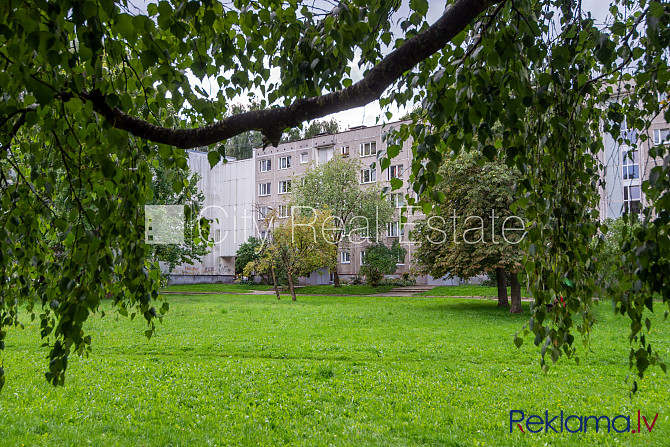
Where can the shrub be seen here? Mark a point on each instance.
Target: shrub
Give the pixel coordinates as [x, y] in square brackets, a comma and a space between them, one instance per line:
[381, 260]
[357, 280]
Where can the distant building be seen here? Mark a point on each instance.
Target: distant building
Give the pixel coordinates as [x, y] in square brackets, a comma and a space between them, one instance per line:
[275, 167]
[625, 167]
[229, 204]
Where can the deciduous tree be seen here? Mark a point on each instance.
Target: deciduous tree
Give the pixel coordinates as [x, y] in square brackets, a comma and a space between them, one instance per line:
[335, 186]
[472, 229]
[300, 246]
[381, 260]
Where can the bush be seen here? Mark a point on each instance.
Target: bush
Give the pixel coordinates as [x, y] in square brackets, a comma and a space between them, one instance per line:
[247, 253]
[381, 260]
[619, 232]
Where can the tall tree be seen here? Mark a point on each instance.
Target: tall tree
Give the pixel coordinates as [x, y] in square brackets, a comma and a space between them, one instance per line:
[86, 84]
[242, 145]
[315, 127]
[321, 126]
[473, 229]
[335, 186]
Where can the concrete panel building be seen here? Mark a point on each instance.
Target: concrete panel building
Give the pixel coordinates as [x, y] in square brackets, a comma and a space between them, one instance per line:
[627, 166]
[277, 167]
[229, 204]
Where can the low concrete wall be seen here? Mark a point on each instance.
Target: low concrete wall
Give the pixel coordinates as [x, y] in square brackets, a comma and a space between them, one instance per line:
[201, 279]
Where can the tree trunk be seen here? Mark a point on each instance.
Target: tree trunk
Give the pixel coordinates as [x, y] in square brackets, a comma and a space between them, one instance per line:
[516, 294]
[274, 281]
[290, 285]
[336, 278]
[501, 279]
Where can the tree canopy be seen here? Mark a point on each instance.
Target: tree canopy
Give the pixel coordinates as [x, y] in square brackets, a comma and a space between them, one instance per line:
[472, 230]
[88, 85]
[299, 245]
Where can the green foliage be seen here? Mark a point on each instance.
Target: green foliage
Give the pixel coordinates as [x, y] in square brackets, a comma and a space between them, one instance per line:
[299, 246]
[242, 146]
[403, 281]
[620, 233]
[467, 232]
[313, 128]
[381, 260]
[538, 84]
[412, 369]
[355, 211]
[248, 252]
[335, 186]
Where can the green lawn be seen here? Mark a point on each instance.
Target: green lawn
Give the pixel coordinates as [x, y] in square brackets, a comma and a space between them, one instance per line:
[234, 288]
[343, 371]
[348, 289]
[466, 290]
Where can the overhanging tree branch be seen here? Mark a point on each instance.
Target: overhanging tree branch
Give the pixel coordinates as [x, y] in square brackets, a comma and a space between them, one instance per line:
[272, 122]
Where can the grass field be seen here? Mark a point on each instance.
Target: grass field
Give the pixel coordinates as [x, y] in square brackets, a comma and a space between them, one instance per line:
[344, 371]
[348, 289]
[227, 288]
[466, 290]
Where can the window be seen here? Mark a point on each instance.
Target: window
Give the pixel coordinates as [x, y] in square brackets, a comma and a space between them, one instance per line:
[663, 97]
[284, 187]
[264, 189]
[263, 212]
[394, 172]
[266, 165]
[397, 200]
[661, 136]
[363, 258]
[401, 259]
[345, 257]
[631, 164]
[368, 175]
[304, 157]
[285, 162]
[631, 199]
[324, 154]
[368, 149]
[394, 229]
[345, 151]
[284, 211]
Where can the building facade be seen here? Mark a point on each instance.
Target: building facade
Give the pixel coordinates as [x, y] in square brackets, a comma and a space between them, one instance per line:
[277, 167]
[229, 205]
[626, 166]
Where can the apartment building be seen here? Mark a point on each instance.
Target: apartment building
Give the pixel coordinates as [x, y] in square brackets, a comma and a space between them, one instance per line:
[277, 167]
[626, 166]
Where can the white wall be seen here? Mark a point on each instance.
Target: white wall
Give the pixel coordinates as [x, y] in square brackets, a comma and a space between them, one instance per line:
[229, 198]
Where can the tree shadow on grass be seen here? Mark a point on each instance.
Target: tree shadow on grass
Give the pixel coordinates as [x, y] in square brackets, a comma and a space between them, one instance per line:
[486, 309]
